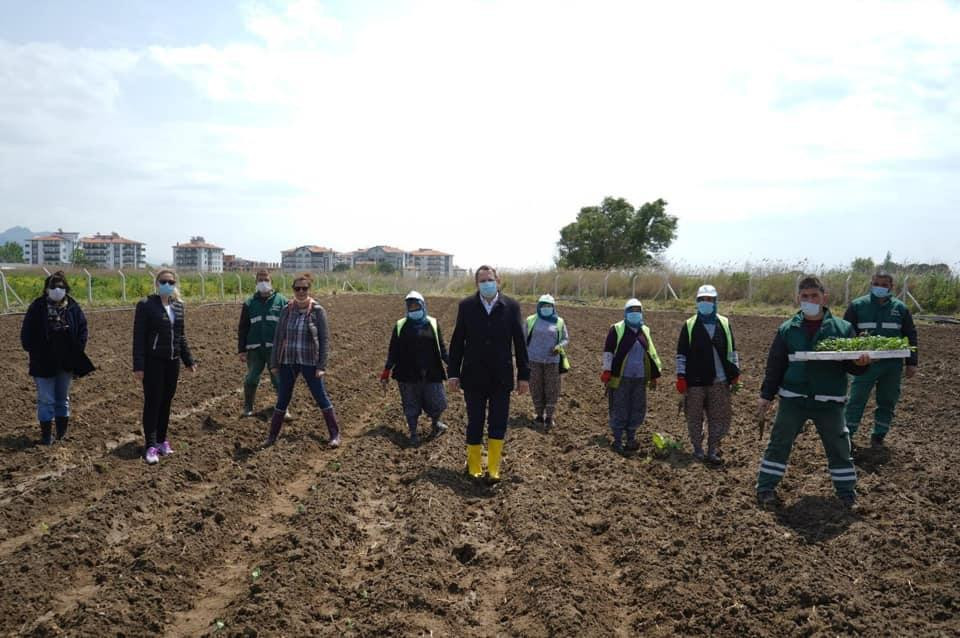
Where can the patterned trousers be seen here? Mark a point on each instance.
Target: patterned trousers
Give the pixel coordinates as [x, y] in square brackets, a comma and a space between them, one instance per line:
[545, 387]
[714, 402]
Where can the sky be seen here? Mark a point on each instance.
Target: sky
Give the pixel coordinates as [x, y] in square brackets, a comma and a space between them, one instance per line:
[817, 131]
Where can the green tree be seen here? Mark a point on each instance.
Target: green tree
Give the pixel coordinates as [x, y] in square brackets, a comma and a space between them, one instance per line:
[341, 267]
[616, 234]
[863, 265]
[11, 253]
[386, 268]
[80, 259]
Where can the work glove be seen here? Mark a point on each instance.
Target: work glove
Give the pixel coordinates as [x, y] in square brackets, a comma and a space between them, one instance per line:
[385, 374]
[735, 385]
[605, 377]
[682, 385]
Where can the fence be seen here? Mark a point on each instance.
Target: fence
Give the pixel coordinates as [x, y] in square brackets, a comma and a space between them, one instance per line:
[929, 292]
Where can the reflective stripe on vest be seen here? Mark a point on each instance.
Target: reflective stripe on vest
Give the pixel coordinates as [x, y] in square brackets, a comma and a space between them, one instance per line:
[724, 323]
[866, 325]
[433, 324]
[788, 394]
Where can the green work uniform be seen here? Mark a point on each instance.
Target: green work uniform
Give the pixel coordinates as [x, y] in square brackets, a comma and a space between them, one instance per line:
[258, 323]
[890, 319]
[814, 390]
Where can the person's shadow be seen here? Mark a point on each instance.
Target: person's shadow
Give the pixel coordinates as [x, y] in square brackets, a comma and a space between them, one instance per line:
[129, 451]
[393, 435]
[870, 460]
[16, 442]
[524, 422]
[458, 482]
[817, 518]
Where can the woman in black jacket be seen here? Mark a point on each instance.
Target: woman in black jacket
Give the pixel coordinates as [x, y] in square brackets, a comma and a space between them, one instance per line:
[159, 345]
[54, 333]
[416, 358]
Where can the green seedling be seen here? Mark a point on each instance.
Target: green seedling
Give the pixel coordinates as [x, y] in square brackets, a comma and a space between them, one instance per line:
[219, 624]
[44, 528]
[301, 509]
[255, 574]
[334, 465]
[664, 444]
[867, 342]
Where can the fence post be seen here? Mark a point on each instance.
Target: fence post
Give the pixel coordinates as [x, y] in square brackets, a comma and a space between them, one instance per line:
[89, 287]
[45, 270]
[846, 290]
[6, 300]
[239, 286]
[633, 285]
[369, 283]
[749, 287]
[123, 285]
[796, 286]
[579, 280]
[905, 294]
[220, 276]
[605, 284]
[203, 286]
[556, 280]
[154, 278]
[533, 290]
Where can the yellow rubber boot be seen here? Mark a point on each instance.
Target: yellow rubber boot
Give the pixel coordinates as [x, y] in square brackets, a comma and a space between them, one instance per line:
[494, 450]
[474, 455]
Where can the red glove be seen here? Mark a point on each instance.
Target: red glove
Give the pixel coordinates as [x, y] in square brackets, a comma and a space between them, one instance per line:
[682, 385]
[605, 377]
[385, 374]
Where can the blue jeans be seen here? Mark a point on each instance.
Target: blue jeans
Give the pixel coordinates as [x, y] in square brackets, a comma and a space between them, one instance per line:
[288, 377]
[53, 396]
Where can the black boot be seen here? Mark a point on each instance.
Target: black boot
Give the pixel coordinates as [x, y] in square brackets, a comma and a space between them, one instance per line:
[46, 436]
[332, 427]
[276, 423]
[62, 423]
[249, 395]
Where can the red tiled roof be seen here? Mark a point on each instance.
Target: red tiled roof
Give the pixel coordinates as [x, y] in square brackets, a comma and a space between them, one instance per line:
[427, 252]
[197, 244]
[109, 239]
[313, 249]
[47, 238]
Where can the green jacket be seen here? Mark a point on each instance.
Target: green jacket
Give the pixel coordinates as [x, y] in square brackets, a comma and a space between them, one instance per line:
[891, 319]
[819, 380]
[258, 321]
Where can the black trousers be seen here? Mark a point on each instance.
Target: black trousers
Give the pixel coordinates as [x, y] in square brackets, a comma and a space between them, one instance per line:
[159, 385]
[492, 407]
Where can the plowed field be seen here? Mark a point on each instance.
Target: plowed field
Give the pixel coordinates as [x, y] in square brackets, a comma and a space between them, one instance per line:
[376, 538]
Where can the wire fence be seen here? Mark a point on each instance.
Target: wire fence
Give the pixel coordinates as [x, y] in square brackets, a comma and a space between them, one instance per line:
[928, 292]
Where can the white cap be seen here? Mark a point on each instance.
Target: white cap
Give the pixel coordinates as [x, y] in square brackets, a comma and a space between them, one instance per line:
[546, 299]
[631, 303]
[413, 294]
[707, 290]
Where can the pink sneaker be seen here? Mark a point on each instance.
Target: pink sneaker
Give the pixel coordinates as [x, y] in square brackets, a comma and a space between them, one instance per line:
[165, 449]
[151, 457]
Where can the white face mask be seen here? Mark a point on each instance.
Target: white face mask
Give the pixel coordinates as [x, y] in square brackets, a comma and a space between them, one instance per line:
[809, 309]
[56, 294]
[264, 286]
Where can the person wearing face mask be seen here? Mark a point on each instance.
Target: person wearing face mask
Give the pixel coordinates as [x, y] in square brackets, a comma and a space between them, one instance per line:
[301, 343]
[879, 313]
[707, 371]
[258, 323]
[487, 338]
[54, 334]
[630, 365]
[808, 390]
[159, 346]
[416, 357]
[547, 339]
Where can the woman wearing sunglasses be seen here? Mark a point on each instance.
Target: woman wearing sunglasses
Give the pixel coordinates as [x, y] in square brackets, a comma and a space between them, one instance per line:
[300, 348]
[159, 345]
[54, 334]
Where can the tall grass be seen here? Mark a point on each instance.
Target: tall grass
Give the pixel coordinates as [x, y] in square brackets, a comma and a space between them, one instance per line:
[768, 284]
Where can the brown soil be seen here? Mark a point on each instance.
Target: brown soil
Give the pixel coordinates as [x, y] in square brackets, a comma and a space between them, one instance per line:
[380, 539]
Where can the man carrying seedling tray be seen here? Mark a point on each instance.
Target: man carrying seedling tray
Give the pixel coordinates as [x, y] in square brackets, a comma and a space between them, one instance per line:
[880, 314]
[808, 390]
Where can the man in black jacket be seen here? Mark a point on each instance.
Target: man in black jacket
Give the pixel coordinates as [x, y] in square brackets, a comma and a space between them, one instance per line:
[488, 334]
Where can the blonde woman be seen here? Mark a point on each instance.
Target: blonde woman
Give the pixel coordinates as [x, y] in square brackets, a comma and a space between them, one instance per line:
[159, 345]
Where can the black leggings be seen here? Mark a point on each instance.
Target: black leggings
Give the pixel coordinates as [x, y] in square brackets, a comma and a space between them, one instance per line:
[159, 385]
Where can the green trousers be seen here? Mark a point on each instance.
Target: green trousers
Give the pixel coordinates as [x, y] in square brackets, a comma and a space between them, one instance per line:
[885, 374]
[828, 417]
[257, 360]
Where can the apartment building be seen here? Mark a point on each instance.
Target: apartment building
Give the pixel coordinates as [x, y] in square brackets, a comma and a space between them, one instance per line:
[198, 255]
[427, 261]
[379, 254]
[308, 258]
[114, 252]
[54, 249]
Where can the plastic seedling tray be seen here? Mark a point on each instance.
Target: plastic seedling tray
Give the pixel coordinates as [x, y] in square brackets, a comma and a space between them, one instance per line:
[851, 355]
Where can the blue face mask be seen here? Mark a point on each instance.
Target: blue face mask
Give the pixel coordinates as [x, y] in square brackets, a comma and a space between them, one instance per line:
[706, 307]
[488, 289]
[545, 311]
[810, 309]
[634, 318]
[880, 292]
[166, 289]
[416, 315]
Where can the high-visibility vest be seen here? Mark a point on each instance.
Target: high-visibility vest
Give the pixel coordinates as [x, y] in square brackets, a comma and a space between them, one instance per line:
[724, 323]
[433, 324]
[564, 359]
[621, 328]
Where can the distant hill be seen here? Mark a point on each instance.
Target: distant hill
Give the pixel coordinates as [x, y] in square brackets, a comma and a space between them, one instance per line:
[18, 234]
